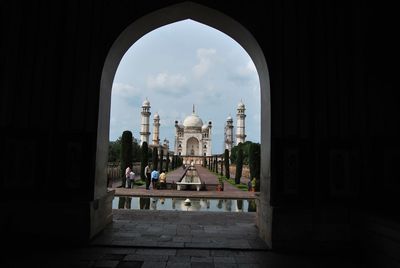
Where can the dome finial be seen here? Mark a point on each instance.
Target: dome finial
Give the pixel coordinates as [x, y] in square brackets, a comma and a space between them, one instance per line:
[193, 109]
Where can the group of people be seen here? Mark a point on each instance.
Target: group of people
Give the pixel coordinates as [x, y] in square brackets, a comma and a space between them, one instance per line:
[151, 176]
[154, 177]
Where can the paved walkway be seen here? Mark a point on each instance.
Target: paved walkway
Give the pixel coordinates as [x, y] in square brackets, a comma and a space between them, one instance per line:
[182, 229]
[175, 175]
[152, 239]
[124, 257]
[211, 178]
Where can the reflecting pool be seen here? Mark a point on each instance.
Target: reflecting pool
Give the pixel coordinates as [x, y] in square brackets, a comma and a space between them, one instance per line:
[178, 203]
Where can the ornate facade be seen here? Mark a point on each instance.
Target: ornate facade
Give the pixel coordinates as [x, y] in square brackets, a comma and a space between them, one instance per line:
[193, 138]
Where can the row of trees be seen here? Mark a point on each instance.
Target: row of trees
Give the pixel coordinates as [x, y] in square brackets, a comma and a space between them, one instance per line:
[247, 153]
[114, 150]
[130, 151]
[126, 151]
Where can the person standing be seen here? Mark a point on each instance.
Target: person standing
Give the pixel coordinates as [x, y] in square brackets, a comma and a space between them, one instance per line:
[154, 178]
[131, 179]
[163, 180]
[127, 172]
[253, 185]
[249, 186]
[148, 173]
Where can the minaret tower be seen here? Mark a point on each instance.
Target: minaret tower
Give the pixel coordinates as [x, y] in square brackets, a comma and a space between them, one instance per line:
[240, 127]
[156, 129]
[145, 126]
[229, 134]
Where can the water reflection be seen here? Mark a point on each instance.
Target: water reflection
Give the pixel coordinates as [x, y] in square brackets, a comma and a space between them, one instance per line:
[196, 204]
[252, 206]
[144, 202]
[124, 202]
[239, 204]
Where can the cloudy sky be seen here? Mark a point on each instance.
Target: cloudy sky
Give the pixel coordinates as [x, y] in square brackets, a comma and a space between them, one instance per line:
[179, 65]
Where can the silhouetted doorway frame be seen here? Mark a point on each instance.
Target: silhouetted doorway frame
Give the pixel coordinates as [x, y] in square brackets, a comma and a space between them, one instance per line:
[221, 22]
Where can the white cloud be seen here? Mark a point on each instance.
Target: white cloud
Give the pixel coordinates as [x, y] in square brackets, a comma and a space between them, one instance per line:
[124, 90]
[121, 117]
[165, 82]
[172, 77]
[247, 70]
[205, 57]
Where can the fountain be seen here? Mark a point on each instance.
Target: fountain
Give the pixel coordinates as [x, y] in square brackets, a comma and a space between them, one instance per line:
[190, 178]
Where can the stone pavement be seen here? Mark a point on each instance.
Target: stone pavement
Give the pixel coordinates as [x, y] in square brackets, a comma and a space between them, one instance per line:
[172, 239]
[124, 257]
[182, 229]
[210, 178]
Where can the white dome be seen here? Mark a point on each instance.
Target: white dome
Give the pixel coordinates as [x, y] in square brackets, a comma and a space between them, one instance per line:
[156, 116]
[193, 120]
[240, 105]
[146, 103]
[204, 127]
[229, 118]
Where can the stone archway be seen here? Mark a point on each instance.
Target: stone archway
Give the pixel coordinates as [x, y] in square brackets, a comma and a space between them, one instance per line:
[192, 147]
[217, 20]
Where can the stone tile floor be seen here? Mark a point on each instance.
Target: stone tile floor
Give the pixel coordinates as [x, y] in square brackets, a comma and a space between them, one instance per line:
[117, 257]
[170, 239]
[182, 229]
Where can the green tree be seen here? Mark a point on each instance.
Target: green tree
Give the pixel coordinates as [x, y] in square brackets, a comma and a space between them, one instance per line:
[179, 161]
[245, 147]
[221, 172]
[216, 164]
[155, 158]
[114, 150]
[126, 153]
[239, 166]
[161, 159]
[254, 163]
[136, 151]
[226, 159]
[144, 160]
[167, 162]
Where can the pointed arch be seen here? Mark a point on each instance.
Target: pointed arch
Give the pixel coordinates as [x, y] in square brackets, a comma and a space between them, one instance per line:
[212, 18]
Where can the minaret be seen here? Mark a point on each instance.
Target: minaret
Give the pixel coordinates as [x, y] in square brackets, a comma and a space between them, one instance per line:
[229, 133]
[166, 144]
[145, 126]
[240, 127]
[156, 129]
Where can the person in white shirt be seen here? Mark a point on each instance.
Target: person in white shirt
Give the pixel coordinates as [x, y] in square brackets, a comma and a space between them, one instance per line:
[147, 173]
[127, 171]
[131, 179]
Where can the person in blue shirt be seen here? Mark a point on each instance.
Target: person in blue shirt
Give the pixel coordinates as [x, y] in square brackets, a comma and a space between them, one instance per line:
[154, 178]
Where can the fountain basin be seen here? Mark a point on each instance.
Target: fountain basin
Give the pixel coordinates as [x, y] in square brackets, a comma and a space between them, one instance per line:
[190, 178]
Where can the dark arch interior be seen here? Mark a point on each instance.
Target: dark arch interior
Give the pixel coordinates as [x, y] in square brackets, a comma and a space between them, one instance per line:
[332, 86]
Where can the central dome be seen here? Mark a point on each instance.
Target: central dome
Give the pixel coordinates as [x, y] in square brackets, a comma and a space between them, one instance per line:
[193, 120]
